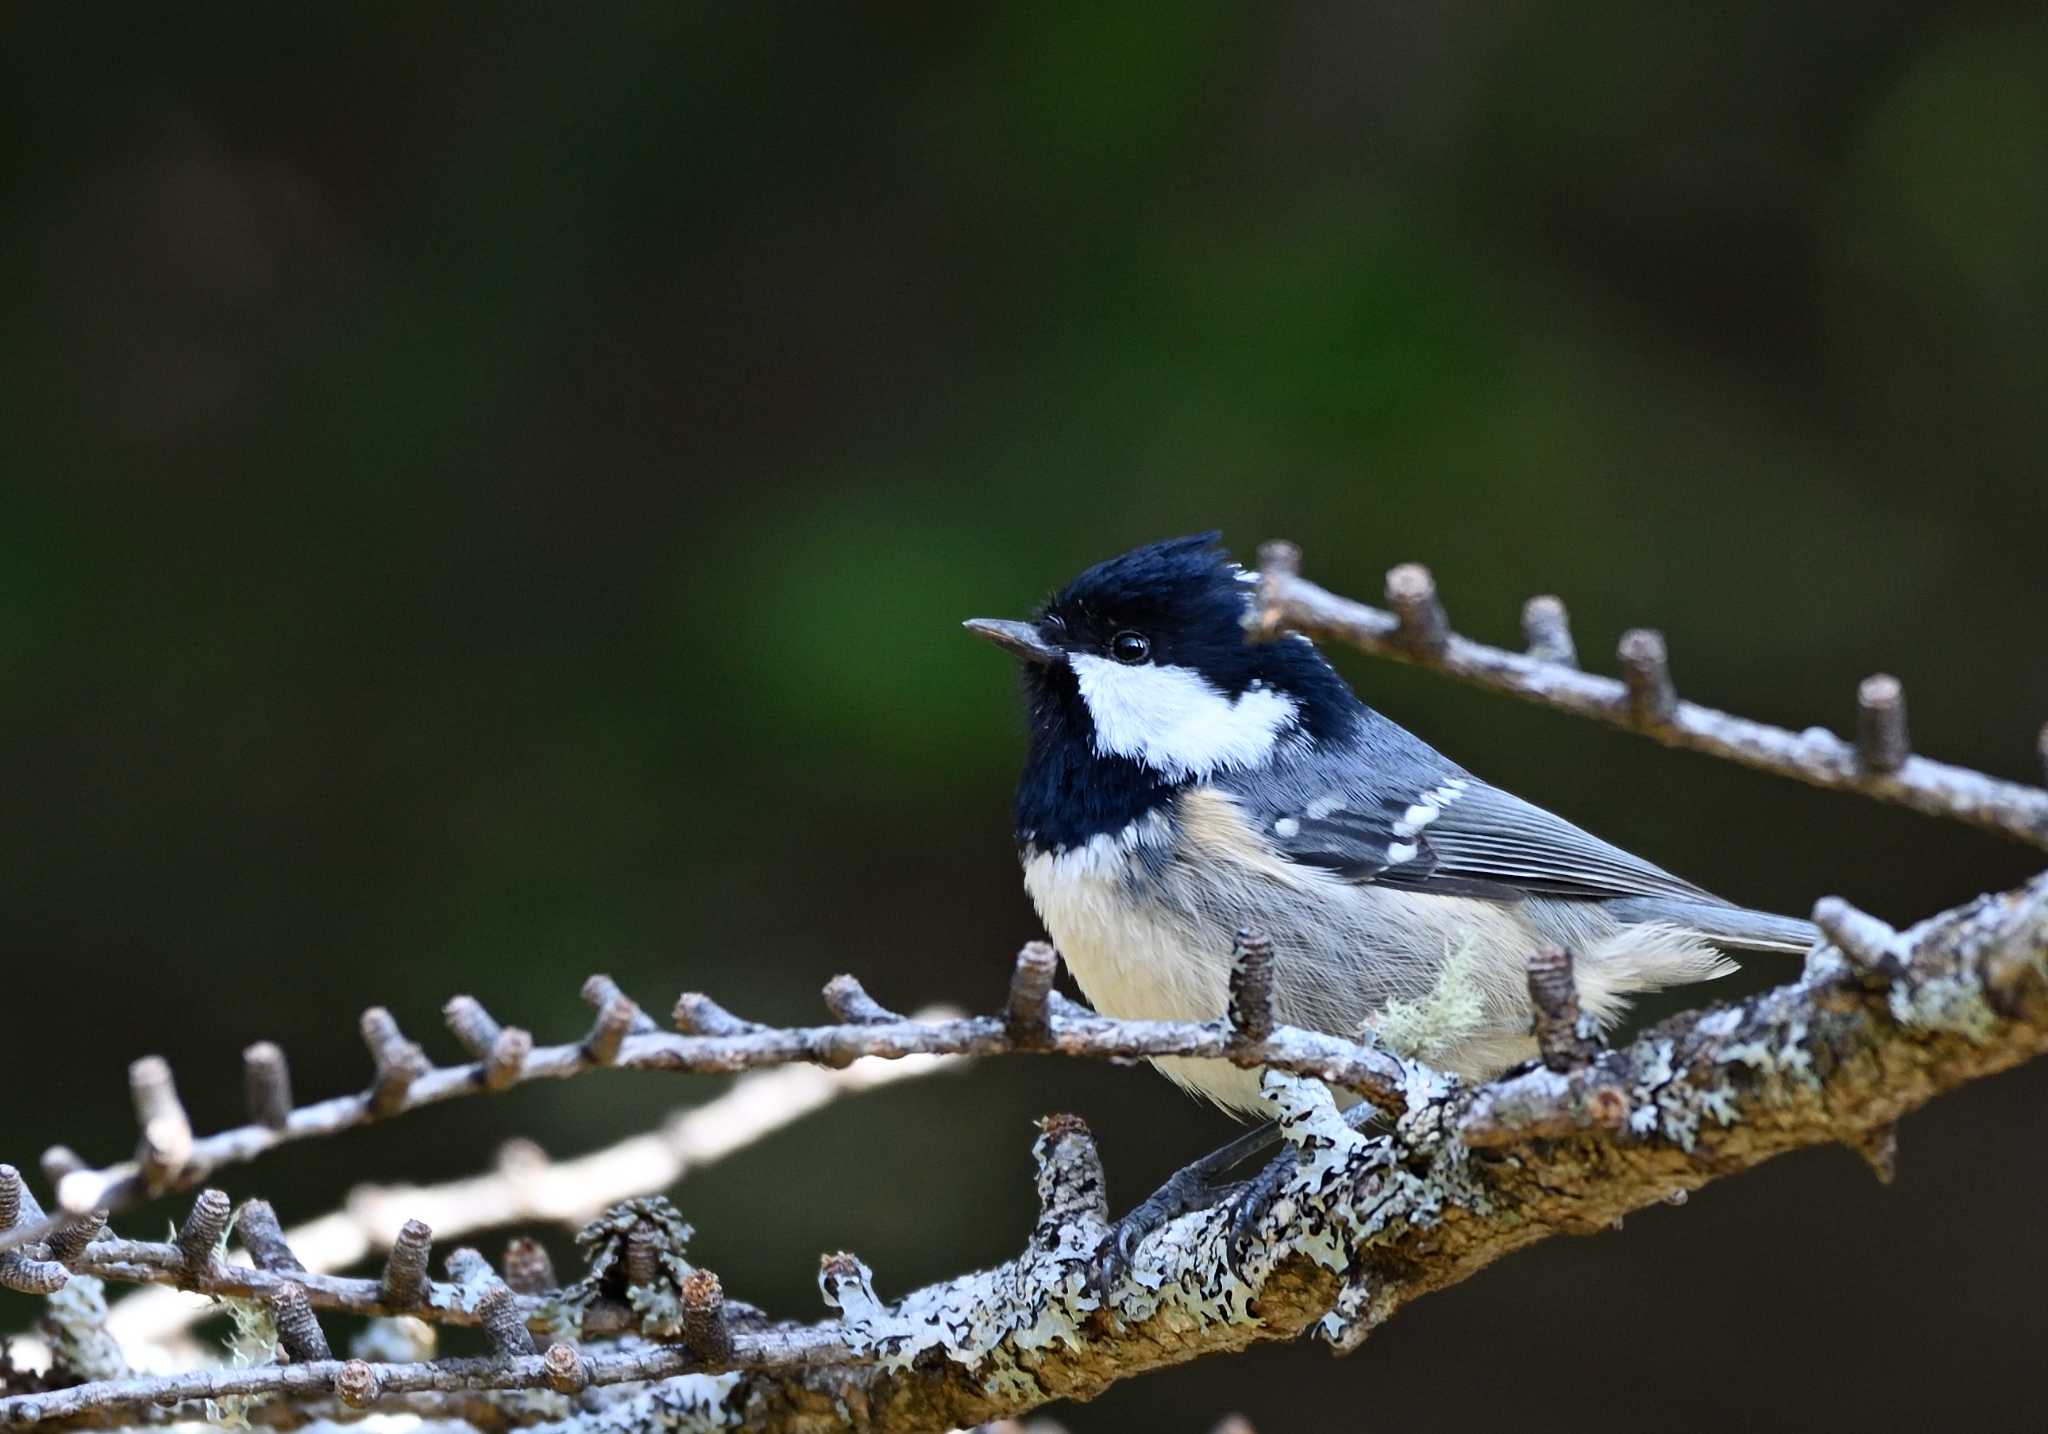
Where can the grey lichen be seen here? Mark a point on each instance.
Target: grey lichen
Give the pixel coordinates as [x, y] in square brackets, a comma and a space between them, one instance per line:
[1346, 1191]
[74, 1326]
[985, 1320]
[397, 1340]
[634, 1252]
[686, 1404]
[1955, 1004]
[1441, 1020]
[252, 1340]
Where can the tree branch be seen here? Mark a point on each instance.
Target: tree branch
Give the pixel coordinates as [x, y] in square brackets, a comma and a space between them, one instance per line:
[1364, 1224]
[1336, 1237]
[1361, 1224]
[1878, 765]
[713, 1042]
[526, 1185]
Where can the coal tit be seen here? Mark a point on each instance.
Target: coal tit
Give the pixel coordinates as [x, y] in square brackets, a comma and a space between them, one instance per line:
[1183, 781]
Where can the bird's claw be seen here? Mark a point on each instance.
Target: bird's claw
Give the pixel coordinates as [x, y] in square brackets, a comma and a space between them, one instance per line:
[1249, 1205]
[1187, 1190]
[1113, 1257]
[1194, 1187]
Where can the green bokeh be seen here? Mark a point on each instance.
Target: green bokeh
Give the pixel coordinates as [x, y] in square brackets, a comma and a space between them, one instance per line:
[491, 496]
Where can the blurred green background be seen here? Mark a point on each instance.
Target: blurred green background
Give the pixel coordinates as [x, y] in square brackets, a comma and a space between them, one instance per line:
[492, 494]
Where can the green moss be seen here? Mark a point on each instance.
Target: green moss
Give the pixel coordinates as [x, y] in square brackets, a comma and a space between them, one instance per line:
[1430, 1028]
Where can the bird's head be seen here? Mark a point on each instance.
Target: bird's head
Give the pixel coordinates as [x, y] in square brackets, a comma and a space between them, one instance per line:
[1143, 661]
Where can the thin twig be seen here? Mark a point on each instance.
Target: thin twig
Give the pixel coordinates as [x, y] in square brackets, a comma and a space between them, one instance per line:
[526, 1186]
[405, 1082]
[1815, 756]
[1882, 744]
[146, 1262]
[782, 1349]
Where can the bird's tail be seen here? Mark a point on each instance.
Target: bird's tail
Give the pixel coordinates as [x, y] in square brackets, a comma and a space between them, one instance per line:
[1726, 926]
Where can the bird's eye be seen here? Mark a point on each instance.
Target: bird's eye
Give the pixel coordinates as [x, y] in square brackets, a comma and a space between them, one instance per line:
[1130, 647]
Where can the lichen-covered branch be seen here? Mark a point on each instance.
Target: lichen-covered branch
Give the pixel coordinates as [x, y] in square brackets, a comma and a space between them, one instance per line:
[1358, 1224]
[1878, 764]
[566, 1373]
[525, 1185]
[1364, 1223]
[1417, 1187]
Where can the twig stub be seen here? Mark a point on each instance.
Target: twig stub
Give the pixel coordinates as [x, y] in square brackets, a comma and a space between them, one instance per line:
[1069, 1177]
[256, 1224]
[1422, 624]
[166, 1144]
[267, 1084]
[528, 1269]
[1882, 744]
[405, 1268]
[614, 1020]
[564, 1370]
[1278, 561]
[17, 1205]
[297, 1329]
[1646, 673]
[1547, 630]
[399, 1062]
[849, 1001]
[472, 1025]
[59, 1161]
[69, 1242]
[356, 1384]
[25, 1274]
[1253, 1012]
[498, 1310]
[505, 1062]
[1026, 1017]
[200, 1236]
[705, 1329]
[1871, 947]
[1554, 995]
[696, 1014]
[613, 1006]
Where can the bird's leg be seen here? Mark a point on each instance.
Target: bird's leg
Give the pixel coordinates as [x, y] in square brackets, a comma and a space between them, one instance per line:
[1255, 1196]
[1192, 1187]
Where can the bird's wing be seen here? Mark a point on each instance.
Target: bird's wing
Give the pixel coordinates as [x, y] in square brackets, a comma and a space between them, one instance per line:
[1461, 836]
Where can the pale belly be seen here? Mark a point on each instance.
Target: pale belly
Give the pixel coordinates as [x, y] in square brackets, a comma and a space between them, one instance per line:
[1141, 964]
[1344, 952]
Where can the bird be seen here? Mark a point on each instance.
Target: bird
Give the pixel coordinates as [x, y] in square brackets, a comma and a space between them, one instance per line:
[1185, 779]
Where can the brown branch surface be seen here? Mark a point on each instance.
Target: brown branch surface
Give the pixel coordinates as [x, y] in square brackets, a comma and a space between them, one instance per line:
[1879, 765]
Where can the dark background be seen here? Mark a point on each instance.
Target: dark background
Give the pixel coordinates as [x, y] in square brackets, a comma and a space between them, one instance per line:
[491, 497]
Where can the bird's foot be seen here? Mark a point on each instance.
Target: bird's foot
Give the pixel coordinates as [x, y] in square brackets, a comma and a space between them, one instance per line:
[1253, 1198]
[1193, 1187]
[1186, 1190]
[1248, 1206]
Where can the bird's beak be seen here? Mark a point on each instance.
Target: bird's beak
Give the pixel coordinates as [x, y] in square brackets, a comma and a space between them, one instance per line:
[1020, 638]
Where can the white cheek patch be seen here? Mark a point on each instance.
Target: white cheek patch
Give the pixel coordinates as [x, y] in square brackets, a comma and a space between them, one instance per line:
[1174, 721]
